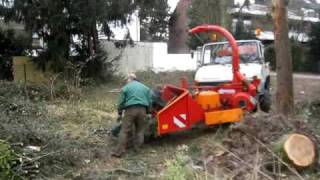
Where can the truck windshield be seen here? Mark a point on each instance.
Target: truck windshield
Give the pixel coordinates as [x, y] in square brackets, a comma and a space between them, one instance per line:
[222, 53]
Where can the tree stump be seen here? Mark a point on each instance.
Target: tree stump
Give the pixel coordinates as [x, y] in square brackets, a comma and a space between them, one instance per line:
[297, 149]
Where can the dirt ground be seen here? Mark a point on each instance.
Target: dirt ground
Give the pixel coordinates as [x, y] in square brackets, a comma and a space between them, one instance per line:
[78, 133]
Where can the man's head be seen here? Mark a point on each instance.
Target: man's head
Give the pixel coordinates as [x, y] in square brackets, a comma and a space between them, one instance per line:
[132, 77]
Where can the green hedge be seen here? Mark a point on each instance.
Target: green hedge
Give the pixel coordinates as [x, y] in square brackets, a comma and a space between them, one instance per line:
[301, 62]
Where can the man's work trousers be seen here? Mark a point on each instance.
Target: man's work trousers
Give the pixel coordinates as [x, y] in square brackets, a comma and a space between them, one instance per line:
[134, 121]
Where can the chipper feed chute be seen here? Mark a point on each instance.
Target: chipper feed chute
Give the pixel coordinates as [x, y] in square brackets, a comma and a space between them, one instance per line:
[180, 113]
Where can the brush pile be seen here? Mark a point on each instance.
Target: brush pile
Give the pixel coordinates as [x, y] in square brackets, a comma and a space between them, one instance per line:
[18, 163]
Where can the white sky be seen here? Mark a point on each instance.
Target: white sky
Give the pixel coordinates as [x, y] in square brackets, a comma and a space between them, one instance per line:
[173, 4]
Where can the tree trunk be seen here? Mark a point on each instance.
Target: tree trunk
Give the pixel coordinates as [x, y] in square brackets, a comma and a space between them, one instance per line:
[95, 37]
[297, 150]
[284, 92]
[92, 33]
[94, 26]
[90, 43]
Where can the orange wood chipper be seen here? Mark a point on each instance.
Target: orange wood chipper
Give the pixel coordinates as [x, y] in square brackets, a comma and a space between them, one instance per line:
[210, 105]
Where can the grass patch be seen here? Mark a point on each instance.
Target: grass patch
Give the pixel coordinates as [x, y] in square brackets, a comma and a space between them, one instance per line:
[63, 128]
[178, 169]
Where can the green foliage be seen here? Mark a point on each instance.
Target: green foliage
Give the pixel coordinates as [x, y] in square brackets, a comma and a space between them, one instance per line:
[270, 56]
[154, 19]
[195, 151]
[300, 62]
[207, 12]
[12, 44]
[241, 33]
[178, 169]
[100, 66]
[7, 161]
[314, 46]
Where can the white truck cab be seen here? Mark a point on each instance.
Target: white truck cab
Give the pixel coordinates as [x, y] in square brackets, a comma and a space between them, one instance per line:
[214, 66]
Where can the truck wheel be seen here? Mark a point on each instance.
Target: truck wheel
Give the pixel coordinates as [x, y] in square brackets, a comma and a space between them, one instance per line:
[265, 101]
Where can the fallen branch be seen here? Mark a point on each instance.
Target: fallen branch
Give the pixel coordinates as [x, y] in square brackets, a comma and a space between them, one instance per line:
[125, 171]
[236, 172]
[114, 91]
[241, 160]
[40, 157]
[256, 165]
[244, 162]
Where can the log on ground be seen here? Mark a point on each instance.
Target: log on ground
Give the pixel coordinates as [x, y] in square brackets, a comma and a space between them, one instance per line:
[296, 149]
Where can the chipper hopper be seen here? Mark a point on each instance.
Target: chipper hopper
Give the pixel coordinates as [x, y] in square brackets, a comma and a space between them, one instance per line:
[188, 106]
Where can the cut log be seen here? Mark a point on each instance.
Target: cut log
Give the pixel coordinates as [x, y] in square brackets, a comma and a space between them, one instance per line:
[296, 149]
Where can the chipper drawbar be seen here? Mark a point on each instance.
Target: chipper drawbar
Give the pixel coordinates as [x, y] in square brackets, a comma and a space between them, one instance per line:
[209, 105]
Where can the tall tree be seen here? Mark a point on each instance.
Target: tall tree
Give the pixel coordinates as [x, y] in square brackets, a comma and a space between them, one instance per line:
[241, 32]
[208, 12]
[284, 92]
[154, 18]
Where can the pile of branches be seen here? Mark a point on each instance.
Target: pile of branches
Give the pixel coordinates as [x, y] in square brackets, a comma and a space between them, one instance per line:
[36, 147]
[16, 165]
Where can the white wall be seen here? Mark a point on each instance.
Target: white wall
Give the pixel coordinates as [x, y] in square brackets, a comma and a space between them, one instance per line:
[136, 58]
[146, 56]
[162, 61]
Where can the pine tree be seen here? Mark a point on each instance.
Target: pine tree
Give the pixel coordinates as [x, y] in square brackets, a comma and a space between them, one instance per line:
[208, 12]
[154, 17]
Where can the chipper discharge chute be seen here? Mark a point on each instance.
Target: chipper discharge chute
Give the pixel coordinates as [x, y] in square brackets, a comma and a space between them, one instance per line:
[209, 105]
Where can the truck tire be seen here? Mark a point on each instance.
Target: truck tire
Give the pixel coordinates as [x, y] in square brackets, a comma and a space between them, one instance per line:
[265, 101]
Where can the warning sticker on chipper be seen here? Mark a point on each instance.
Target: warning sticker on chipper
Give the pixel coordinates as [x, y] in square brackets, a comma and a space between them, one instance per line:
[180, 120]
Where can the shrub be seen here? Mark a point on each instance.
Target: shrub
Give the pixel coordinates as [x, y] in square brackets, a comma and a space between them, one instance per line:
[7, 161]
[299, 60]
[314, 44]
[178, 169]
